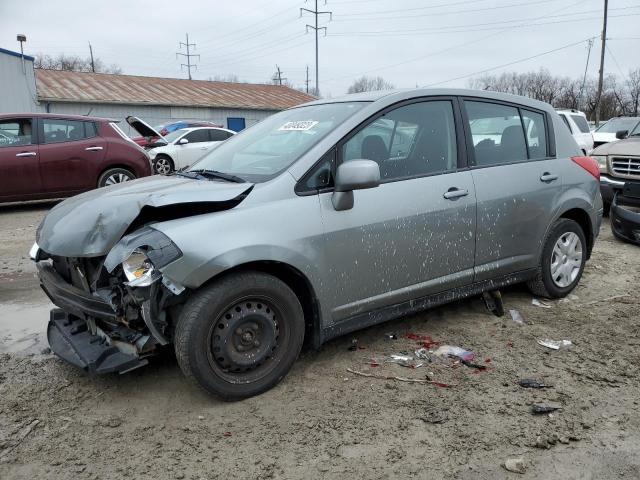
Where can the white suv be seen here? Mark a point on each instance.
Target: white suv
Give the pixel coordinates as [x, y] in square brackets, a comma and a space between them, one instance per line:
[576, 122]
[183, 147]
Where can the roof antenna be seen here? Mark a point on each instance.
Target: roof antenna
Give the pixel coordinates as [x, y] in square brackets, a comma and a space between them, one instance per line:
[90, 110]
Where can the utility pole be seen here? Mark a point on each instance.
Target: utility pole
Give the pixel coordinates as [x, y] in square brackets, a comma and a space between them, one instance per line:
[601, 73]
[277, 77]
[315, 12]
[188, 55]
[306, 82]
[584, 78]
[93, 65]
[22, 39]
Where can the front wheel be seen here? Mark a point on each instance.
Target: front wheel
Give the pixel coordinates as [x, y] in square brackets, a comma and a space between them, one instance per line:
[163, 165]
[562, 262]
[239, 336]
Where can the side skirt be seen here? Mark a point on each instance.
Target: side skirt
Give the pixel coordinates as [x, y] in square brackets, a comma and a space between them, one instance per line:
[381, 315]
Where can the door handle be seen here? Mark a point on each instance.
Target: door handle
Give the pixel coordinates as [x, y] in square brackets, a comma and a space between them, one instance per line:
[548, 177]
[454, 193]
[26, 154]
[93, 149]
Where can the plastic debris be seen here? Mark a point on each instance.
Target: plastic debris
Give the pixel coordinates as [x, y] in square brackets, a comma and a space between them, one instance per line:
[452, 351]
[390, 336]
[493, 302]
[555, 344]
[434, 416]
[423, 354]
[515, 465]
[354, 345]
[532, 383]
[540, 303]
[516, 317]
[545, 407]
[397, 358]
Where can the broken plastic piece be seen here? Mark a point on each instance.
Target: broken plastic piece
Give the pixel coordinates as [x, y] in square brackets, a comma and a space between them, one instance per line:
[516, 317]
[555, 344]
[390, 336]
[545, 407]
[493, 302]
[532, 383]
[452, 351]
[540, 303]
[423, 354]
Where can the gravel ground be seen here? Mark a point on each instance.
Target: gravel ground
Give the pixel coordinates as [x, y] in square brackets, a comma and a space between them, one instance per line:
[323, 421]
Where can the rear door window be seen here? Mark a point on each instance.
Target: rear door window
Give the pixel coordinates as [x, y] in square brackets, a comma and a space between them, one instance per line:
[198, 136]
[218, 135]
[16, 132]
[497, 133]
[566, 122]
[57, 130]
[536, 134]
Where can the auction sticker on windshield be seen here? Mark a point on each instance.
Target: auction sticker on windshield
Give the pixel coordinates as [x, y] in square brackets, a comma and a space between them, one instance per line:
[299, 126]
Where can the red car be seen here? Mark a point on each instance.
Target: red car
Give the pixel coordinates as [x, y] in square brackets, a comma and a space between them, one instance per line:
[150, 135]
[53, 156]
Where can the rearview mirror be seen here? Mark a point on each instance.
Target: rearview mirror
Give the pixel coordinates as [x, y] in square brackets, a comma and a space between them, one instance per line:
[354, 175]
[622, 134]
[183, 141]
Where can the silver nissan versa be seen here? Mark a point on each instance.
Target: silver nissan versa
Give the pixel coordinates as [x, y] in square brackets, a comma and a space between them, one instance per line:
[318, 221]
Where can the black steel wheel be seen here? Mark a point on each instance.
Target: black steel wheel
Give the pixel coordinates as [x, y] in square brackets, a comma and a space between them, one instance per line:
[239, 336]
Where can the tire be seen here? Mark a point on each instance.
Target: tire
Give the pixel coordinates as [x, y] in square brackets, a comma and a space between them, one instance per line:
[558, 282]
[239, 336]
[163, 165]
[113, 176]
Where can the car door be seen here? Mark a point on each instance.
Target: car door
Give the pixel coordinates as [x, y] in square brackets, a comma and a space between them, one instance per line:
[19, 164]
[197, 145]
[517, 181]
[70, 153]
[217, 136]
[414, 234]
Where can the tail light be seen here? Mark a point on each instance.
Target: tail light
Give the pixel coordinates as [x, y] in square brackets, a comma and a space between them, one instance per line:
[589, 164]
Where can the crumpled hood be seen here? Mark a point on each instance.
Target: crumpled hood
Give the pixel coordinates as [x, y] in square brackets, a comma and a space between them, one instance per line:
[90, 224]
[629, 146]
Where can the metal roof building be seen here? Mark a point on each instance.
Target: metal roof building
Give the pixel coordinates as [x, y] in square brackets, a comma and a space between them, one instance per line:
[162, 100]
[18, 83]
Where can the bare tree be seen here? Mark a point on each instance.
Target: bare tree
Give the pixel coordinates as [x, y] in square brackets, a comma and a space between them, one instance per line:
[230, 78]
[633, 88]
[73, 63]
[369, 84]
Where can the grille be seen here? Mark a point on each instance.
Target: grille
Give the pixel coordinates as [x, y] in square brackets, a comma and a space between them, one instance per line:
[626, 166]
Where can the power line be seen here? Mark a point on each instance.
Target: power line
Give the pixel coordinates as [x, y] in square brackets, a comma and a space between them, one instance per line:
[315, 13]
[188, 55]
[497, 67]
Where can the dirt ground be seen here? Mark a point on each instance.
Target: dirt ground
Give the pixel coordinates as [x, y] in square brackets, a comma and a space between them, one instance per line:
[325, 422]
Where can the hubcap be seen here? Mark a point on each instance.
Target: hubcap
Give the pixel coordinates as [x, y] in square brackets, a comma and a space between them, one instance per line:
[566, 259]
[117, 178]
[245, 336]
[162, 166]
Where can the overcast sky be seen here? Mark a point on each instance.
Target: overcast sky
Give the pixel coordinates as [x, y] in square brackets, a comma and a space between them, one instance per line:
[408, 42]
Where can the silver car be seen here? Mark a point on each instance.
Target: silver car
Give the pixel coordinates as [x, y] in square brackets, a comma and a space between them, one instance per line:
[318, 221]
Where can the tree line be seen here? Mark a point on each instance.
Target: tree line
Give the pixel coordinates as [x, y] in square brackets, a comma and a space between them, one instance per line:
[620, 95]
[74, 63]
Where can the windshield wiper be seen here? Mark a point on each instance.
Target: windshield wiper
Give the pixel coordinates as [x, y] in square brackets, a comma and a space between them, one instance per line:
[215, 174]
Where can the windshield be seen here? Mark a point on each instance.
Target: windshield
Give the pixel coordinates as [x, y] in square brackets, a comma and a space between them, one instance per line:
[170, 137]
[616, 124]
[266, 149]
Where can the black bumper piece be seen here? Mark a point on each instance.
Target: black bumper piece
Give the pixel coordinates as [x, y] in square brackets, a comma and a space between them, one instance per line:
[625, 222]
[70, 298]
[70, 339]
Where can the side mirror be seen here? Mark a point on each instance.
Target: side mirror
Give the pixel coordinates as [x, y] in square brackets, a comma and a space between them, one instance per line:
[183, 141]
[354, 175]
[622, 134]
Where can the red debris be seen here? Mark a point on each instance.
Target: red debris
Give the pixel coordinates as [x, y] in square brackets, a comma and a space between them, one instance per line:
[440, 384]
[226, 434]
[487, 360]
[425, 340]
[510, 344]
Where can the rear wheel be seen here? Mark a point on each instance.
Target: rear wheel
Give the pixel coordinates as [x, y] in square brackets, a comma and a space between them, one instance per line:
[562, 262]
[239, 336]
[115, 175]
[163, 165]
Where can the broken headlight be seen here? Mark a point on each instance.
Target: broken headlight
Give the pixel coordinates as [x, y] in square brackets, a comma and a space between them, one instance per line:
[139, 270]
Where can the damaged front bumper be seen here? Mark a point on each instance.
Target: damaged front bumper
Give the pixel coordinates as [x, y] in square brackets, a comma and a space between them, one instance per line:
[625, 214]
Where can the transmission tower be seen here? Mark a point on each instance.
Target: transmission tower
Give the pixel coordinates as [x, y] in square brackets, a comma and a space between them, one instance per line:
[315, 12]
[277, 77]
[188, 55]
